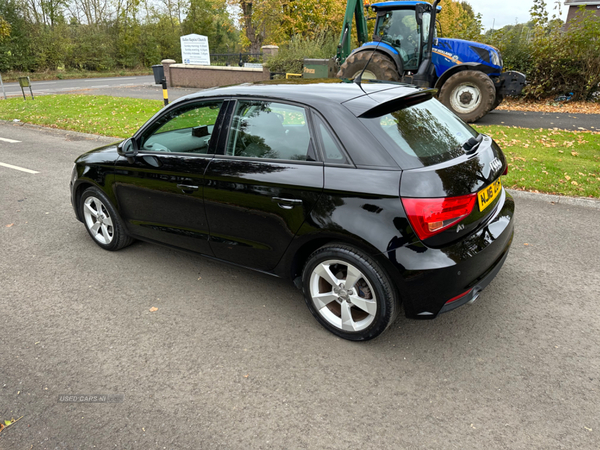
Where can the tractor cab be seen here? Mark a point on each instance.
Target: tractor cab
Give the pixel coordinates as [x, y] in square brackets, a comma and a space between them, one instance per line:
[404, 26]
[469, 76]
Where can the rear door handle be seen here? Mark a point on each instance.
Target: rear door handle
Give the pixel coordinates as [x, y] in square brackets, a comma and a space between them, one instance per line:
[286, 203]
[187, 188]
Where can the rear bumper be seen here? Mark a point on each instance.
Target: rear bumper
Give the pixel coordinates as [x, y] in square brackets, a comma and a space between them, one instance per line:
[480, 286]
[428, 278]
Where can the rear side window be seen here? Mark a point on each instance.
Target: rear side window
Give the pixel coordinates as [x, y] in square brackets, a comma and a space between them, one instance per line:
[331, 150]
[421, 135]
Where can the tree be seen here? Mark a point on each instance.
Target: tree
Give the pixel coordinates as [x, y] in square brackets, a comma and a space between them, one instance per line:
[4, 29]
[260, 18]
[310, 17]
[459, 21]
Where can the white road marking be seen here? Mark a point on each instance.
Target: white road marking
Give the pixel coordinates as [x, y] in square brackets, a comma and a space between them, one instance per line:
[10, 166]
[11, 141]
[100, 86]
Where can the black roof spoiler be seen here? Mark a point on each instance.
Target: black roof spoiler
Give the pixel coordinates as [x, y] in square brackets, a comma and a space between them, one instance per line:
[383, 102]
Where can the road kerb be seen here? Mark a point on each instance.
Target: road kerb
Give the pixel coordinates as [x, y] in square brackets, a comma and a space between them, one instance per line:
[558, 199]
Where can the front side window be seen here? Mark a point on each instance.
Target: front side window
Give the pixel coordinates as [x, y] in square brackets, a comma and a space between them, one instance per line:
[262, 129]
[187, 129]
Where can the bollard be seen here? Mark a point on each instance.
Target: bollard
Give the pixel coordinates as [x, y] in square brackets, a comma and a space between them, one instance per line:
[159, 78]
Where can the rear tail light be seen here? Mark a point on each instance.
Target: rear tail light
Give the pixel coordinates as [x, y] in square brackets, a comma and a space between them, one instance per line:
[505, 170]
[429, 216]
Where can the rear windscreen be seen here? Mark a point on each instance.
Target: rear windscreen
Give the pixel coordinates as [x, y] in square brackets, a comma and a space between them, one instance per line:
[421, 135]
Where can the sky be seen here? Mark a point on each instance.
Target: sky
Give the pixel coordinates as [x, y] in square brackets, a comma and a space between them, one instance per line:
[509, 12]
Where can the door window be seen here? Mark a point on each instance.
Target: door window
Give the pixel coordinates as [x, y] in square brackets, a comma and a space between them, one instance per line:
[186, 129]
[270, 130]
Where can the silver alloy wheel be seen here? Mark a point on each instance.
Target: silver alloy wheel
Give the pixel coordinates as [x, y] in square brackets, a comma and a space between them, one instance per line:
[343, 295]
[465, 98]
[98, 221]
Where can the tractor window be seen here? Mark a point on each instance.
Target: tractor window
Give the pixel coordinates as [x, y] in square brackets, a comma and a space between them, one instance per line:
[400, 30]
[425, 33]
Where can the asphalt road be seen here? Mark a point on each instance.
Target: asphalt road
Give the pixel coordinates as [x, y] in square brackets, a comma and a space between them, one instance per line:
[66, 86]
[233, 359]
[527, 119]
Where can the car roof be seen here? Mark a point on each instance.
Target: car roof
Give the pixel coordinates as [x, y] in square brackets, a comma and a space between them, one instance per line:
[363, 97]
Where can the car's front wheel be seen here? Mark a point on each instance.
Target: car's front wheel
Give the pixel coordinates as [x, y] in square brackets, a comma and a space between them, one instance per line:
[102, 221]
[349, 293]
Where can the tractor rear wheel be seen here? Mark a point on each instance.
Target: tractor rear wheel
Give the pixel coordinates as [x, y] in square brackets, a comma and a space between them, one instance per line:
[499, 99]
[380, 68]
[470, 94]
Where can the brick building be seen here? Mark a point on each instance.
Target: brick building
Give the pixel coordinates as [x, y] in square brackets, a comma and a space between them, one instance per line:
[574, 5]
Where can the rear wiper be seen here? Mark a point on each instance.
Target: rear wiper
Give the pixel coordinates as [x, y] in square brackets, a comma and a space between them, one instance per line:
[472, 144]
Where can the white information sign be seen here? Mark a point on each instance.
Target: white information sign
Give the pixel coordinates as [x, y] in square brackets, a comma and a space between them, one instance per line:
[194, 49]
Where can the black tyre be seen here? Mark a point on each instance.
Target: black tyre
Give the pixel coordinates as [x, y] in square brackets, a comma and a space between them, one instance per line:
[102, 221]
[470, 94]
[380, 68]
[349, 293]
[499, 99]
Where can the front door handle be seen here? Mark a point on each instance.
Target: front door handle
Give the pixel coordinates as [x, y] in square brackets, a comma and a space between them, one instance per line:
[187, 188]
[286, 203]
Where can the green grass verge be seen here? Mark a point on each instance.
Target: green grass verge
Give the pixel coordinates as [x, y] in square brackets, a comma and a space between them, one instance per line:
[109, 116]
[551, 161]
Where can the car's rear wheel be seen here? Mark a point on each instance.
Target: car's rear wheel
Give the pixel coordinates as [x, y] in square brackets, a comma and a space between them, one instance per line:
[102, 221]
[349, 293]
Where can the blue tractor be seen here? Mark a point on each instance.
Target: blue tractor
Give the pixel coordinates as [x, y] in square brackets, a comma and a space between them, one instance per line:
[468, 75]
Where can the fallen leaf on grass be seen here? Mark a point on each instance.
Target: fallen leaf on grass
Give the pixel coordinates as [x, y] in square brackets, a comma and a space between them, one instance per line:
[154, 308]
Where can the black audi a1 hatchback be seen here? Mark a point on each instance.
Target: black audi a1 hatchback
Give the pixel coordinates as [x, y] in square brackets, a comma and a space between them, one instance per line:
[370, 198]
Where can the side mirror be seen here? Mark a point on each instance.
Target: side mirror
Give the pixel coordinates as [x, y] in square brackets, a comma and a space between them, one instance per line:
[128, 149]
